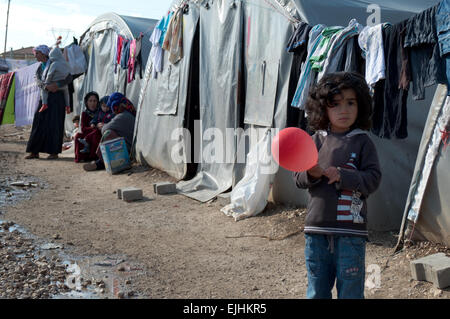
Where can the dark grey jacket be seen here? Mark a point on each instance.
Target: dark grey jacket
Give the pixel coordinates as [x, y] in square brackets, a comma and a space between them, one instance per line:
[356, 157]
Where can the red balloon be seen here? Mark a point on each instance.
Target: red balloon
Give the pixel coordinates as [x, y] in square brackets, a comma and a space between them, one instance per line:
[294, 149]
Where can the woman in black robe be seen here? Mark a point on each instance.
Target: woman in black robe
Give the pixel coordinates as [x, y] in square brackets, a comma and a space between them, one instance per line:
[47, 131]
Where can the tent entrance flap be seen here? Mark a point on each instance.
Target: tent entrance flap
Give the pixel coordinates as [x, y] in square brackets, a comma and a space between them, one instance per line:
[425, 206]
[220, 66]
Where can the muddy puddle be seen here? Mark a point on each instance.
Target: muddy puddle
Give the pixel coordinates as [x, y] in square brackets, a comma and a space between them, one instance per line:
[40, 269]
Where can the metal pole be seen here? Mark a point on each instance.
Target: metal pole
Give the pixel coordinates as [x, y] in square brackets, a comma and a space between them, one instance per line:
[6, 32]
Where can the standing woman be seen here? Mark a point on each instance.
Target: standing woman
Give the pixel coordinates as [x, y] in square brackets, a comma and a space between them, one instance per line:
[47, 131]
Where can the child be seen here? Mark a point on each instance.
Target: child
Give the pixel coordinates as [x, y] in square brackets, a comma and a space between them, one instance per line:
[91, 101]
[102, 116]
[339, 110]
[57, 69]
[76, 124]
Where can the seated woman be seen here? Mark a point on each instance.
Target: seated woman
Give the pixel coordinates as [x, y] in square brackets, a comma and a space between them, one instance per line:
[103, 116]
[91, 101]
[122, 125]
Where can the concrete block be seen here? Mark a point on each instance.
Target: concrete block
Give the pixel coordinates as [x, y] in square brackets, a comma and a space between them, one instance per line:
[434, 268]
[164, 188]
[131, 194]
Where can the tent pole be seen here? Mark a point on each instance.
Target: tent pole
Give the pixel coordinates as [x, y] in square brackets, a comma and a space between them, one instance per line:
[6, 32]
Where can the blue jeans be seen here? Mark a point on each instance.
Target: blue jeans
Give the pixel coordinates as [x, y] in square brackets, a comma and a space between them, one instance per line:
[335, 258]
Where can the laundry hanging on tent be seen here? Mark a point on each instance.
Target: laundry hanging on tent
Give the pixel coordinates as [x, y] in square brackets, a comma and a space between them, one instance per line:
[118, 55]
[371, 42]
[341, 45]
[125, 54]
[411, 50]
[163, 26]
[27, 95]
[156, 53]
[135, 59]
[5, 87]
[173, 41]
[389, 101]
[443, 34]
[8, 112]
[307, 77]
[326, 48]
[427, 66]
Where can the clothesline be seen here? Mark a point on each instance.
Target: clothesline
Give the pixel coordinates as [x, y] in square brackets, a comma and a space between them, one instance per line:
[412, 41]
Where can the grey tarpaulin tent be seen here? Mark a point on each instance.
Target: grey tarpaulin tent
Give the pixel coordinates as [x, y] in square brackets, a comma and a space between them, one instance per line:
[99, 44]
[427, 209]
[248, 35]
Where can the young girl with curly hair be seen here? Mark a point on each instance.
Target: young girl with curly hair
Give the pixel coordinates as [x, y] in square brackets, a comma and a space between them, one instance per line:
[339, 111]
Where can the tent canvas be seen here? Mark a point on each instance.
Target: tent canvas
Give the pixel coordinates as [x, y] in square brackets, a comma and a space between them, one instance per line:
[99, 44]
[385, 206]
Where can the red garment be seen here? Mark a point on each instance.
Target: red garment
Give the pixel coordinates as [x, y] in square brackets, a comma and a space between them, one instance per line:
[120, 42]
[5, 86]
[85, 131]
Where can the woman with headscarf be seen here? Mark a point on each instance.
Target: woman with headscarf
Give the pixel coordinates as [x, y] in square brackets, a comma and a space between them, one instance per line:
[47, 131]
[122, 125]
[91, 103]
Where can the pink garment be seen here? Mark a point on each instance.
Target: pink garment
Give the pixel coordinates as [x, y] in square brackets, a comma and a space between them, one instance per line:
[132, 61]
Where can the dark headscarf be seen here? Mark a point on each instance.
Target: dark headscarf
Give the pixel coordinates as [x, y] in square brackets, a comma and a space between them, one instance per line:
[104, 100]
[86, 98]
[118, 98]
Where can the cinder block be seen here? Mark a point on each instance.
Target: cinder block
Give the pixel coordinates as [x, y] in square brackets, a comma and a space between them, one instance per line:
[434, 268]
[131, 194]
[164, 188]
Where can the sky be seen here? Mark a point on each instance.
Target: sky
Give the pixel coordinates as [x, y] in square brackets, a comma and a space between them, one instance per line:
[34, 22]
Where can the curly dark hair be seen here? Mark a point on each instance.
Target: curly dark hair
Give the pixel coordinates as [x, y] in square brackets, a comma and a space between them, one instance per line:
[322, 95]
[87, 96]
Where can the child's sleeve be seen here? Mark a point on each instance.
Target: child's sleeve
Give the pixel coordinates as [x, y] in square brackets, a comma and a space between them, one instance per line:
[368, 177]
[303, 179]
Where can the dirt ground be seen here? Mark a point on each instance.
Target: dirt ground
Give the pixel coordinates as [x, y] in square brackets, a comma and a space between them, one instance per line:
[175, 247]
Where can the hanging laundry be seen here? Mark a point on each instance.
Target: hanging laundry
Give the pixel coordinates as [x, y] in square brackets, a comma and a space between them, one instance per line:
[135, 59]
[8, 111]
[163, 26]
[351, 59]
[27, 95]
[118, 56]
[125, 54]
[338, 48]
[389, 111]
[5, 86]
[307, 77]
[131, 61]
[297, 45]
[156, 53]
[320, 54]
[427, 66]
[138, 57]
[371, 42]
[173, 41]
[443, 34]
